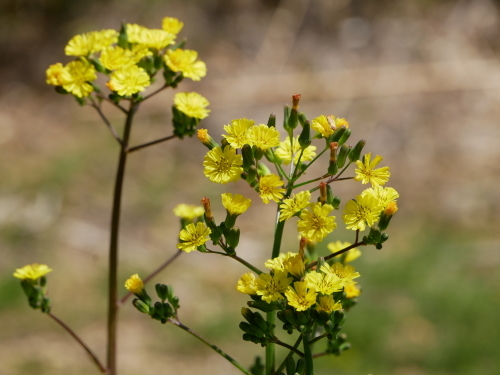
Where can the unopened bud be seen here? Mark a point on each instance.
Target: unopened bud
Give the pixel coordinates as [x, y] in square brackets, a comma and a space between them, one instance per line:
[162, 291]
[391, 208]
[337, 134]
[356, 151]
[386, 215]
[295, 101]
[302, 118]
[272, 121]
[336, 202]
[302, 246]
[305, 135]
[248, 159]
[206, 139]
[322, 192]
[342, 155]
[345, 136]
[141, 306]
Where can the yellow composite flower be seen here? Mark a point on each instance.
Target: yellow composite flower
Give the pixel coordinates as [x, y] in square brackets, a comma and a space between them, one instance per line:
[223, 165]
[188, 211]
[341, 122]
[238, 132]
[270, 188]
[361, 212]
[322, 126]
[300, 296]
[292, 263]
[134, 284]
[384, 195]
[294, 204]
[352, 291]
[172, 25]
[185, 61]
[192, 104]
[80, 73]
[193, 236]
[57, 75]
[113, 58]
[32, 271]
[264, 137]
[324, 283]
[351, 254]
[128, 80]
[156, 38]
[327, 304]
[346, 272]
[286, 151]
[134, 32]
[314, 223]
[246, 284]
[366, 171]
[235, 204]
[270, 287]
[91, 42]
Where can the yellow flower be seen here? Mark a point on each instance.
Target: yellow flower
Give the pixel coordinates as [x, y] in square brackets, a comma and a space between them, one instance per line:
[91, 42]
[134, 32]
[322, 126]
[346, 272]
[223, 166]
[156, 38]
[188, 211]
[80, 72]
[264, 137]
[172, 25]
[203, 135]
[327, 304]
[32, 271]
[351, 255]
[246, 284]
[299, 297]
[192, 104]
[314, 223]
[193, 236]
[351, 291]
[285, 151]
[270, 188]
[384, 195]
[237, 132]
[294, 204]
[290, 262]
[184, 61]
[57, 75]
[270, 287]
[364, 210]
[113, 58]
[235, 204]
[134, 284]
[341, 122]
[128, 80]
[391, 208]
[367, 172]
[324, 283]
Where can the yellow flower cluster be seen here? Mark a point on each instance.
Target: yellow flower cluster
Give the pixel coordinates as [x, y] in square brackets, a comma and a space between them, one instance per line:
[32, 271]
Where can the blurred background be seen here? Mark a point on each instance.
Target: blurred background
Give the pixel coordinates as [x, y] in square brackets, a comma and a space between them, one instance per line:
[419, 80]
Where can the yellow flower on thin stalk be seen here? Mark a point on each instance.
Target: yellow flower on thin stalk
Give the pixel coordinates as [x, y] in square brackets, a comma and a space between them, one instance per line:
[172, 25]
[270, 287]
[113, 58]
[188, 211]
[246, 284]
[57, 75]
[366, 171]
[328, 304]
[185, 61]
[235, 204]
[270, 188]
[238, 132]
[134, 284]
[134, 32]
[32, 271]
[80, 73]
[346, 273]
[294, 204]
[361, 212]
[285, 151]
[314, 223]
[264, 137]
[91, 42]
[300, 296]
[223, 165]
[324, 283]
[384, 195]
[193, 236]
[128, 80]
[192, 104]
[150, 38]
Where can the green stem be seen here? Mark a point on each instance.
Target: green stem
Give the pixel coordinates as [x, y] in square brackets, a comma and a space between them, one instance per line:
[317, 338]
[312, 161]
[144, 145]
[308, 355]
[290, 354]
[289, 347]
[113, 246]
[270, 347]
[214, 347]
[281, 172]
[357, 244]
[238, 259]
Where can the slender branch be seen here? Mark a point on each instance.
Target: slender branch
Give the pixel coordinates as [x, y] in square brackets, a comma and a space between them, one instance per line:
[214, 347]
[357, 244]
[238, 259]
[108, 124]
[289, 347]
[317, 338]
[111, 102]
[79, 340]
[312, 161]
[153, 274]
[144, 145]
[155, 92]
[290, 354]
[308, 182]
[320, 354]
[281, 172]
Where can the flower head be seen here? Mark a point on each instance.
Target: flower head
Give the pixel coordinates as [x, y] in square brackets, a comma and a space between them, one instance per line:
[57, 75]
[238, 132]
[188, 211]
[192, 104]
[128, 80]
[223, 165]
[352, 291]
[366, 171]
[270, 188]
[364, 210]
[152, 38]
[172, 25]
[294, 204]
[270, 287]
[327, 304]
[391, 208]
[79, 73]
[286, 151]
[300, 296]
[114, 58]
[264, 137]
[322, 126]
[351, 254]
[185, 61]
[292, 263]
[91, 42]
[324, 283]
[32, 271]
[314, 223]
[193, 236]
[235, 204]
[246, 283]
[134, 284]
[345, 272]
[384, 195]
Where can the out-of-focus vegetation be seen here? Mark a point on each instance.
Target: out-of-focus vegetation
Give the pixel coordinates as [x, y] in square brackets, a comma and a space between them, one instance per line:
[420, 81]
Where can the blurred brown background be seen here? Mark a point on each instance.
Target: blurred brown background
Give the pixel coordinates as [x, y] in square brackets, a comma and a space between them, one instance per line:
[419, 80]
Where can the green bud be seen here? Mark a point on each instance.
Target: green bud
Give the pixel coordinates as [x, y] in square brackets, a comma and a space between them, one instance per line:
[303, 317]
[28, 288]
[260, 321]
[345, 136]
[247, 314]
[329, 195]
[253, 330]
[305, 136]
[329, 326]
[301, 366]
[290, 366]
[162, 291]
[45, 307]
[378, 246]
[175, 302]
[248, 159]
[375, 234]
[384, 237]
[262, 306]
[272, 121]
[342, 155]
[286, 116]
[123, 38]
[336, 202]
[232, 236]
[335, 137]
[252, 338]
[281, 316]
[293, 120]
[385, 219]
[263, 170]
[141, 306]
[332, 168]
[290, 316]
[159, 309]
[356, 151]
[302, 118]
[338, 317]
[251, 175]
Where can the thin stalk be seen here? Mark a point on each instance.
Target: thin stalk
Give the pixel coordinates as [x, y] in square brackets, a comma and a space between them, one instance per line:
[290, 354]
[144, 145]
[155, 92]
[238, 259]
[270, 349]
[281, 172]
[214, 347]
[153, 274]
[312, 161]
[308, 355]
[317, 338]
[289, 347]
[113, 245]
[79, 340]
[357, 244]
[310, 181]
[111, 102]
[107, 123]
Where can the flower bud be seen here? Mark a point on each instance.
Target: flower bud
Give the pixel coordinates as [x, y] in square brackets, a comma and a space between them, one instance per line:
[332, 167]
[272, 121]
[322, 192]
[290, 316]
[386, 215]
[286, 116]
[263, 170]
[342, 155]
[141, 306]
[356, 151]
[232, 236]
[338, 317]
[305, 136]
[290, 365]
[301, 366]
[248, 158]
[335, 137]
[206, 139]
[336, 202]
[209, 219]
[260, 321]
[162, 291]
[345, 136]
[329, 194]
